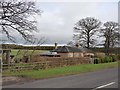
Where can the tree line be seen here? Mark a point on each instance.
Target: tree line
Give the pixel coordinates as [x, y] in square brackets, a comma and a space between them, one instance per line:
[21, 47]
[89, 29]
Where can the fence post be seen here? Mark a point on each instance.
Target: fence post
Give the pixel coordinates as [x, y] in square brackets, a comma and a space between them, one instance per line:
[1, 65]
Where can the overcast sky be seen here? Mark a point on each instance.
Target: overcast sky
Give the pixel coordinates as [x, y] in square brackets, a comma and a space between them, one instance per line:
[57, 21]
[58, 18]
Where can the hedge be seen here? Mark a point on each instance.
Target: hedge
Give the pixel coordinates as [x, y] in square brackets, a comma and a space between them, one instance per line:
[107, 59]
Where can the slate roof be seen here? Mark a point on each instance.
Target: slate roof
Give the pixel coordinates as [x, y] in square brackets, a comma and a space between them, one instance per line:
[66, 49]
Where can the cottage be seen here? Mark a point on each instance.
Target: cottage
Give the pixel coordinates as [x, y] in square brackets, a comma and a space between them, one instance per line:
[69, 51]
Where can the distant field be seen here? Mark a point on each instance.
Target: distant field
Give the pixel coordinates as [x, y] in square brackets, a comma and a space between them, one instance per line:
[19, 53]
[15, 51]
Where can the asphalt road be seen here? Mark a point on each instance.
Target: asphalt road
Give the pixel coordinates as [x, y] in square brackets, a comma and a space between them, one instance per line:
[107, 78]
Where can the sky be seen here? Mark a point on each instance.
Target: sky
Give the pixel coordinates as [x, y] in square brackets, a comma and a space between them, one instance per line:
[59, 17]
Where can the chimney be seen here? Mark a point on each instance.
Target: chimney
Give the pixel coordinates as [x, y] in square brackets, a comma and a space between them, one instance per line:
[55, 45]
[77, 45]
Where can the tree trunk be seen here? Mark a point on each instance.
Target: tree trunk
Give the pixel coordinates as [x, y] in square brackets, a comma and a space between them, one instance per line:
[107, 46]
[88, 40]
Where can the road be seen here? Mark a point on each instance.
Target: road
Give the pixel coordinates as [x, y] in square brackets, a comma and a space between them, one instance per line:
[107, 78]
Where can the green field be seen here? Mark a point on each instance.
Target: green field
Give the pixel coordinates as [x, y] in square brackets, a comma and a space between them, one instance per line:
[15, 51]
[55, 72]
[23, 52]
[20, 53]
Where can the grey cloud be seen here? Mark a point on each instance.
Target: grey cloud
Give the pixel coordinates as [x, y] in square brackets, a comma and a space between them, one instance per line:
[58, 25]
[57, 21]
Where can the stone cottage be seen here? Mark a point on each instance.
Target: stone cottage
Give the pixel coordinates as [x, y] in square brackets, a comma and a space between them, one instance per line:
[72, 51]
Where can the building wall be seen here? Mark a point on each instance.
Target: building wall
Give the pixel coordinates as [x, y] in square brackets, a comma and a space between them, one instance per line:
[63, 54]
[78, 54]
[81, 54]
[72, 54]
[66, 54]
[88, 54]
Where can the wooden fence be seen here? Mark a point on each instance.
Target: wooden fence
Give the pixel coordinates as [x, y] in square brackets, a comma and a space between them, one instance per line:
[48, 63]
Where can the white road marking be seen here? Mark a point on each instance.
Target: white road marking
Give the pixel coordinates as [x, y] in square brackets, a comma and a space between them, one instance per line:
[104, 85]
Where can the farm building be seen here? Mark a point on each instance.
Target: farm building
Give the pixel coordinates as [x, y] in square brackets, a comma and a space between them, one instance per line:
[69, 51]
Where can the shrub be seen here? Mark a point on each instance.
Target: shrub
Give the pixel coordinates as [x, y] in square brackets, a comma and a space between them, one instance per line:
[108, 59]
[118, 57]
[104, 60]
[114, 58]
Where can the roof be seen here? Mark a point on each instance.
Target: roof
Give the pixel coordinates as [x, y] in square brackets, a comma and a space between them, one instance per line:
[66, 49]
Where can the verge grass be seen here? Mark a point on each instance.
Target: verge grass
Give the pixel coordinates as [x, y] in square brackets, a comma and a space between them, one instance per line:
[61, 71]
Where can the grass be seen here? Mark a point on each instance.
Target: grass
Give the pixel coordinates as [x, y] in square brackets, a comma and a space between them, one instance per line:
[40, 74]
[14, 51]
[24, 52]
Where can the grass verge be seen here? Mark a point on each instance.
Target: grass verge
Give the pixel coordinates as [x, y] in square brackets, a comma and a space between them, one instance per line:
[55, 72]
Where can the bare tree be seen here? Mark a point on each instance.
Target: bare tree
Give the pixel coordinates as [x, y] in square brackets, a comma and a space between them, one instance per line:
[38, 42]
[71, 43]
[111, 33]
[14, 17]
[26, 53]
[85, 29]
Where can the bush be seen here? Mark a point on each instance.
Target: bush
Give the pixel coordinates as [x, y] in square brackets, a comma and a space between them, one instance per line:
[114, 58]
[105, 59]
[108, 59]
[118, 57]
